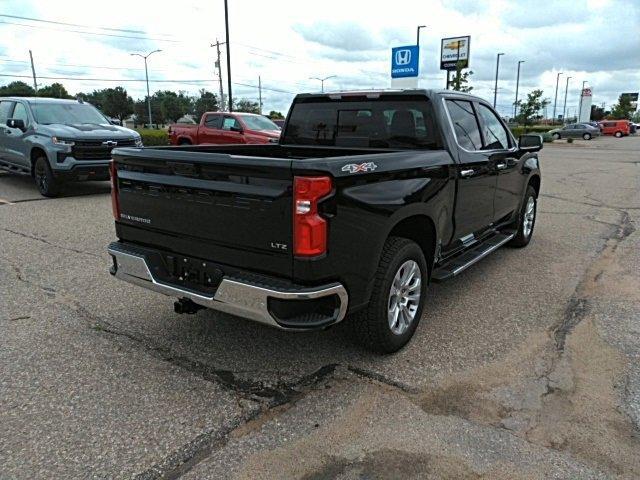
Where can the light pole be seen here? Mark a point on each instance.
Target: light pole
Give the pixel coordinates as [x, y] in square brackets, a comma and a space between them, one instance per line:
[321, 80]
[564, 109]
[146, 72]
[580, 107]
[495, 92]
[555, 102]
[515, 104]
[226, 28]
[418, 34]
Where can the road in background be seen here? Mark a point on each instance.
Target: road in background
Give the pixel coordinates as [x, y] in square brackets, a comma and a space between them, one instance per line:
[526, 365]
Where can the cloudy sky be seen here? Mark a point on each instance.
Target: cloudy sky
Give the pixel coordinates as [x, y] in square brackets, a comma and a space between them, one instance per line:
[287, 41]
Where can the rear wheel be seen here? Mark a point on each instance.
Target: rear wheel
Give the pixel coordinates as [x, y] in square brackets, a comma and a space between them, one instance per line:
[47, 184]
[393, 313]
[184, 141]
[618, 134]
[556, 136]
[526, 219]
[586, 136]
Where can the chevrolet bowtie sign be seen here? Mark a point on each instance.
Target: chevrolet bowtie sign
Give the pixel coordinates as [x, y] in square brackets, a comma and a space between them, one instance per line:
[405, 61]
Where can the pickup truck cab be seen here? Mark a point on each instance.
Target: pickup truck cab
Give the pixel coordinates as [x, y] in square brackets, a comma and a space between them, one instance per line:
[368, 197]
[55, 140]
[223, 128]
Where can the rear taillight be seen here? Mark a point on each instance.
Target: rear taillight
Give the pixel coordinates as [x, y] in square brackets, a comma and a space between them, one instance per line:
[309, 228]
[115, 201]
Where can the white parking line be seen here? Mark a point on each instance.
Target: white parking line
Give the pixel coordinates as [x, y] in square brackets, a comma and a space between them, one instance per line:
[5, 202]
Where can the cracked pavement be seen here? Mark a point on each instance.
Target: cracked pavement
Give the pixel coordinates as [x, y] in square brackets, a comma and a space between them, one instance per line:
[525, 366]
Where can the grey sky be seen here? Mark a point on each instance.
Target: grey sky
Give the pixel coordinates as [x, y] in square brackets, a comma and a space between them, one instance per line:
[286, 42]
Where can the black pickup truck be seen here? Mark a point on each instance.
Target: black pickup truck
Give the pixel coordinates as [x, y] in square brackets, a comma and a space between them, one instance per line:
[367, 198]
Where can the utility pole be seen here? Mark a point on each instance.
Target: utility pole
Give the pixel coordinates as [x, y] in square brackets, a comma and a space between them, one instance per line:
[555, 102]
[260, 94]
[515, 104]
[146, 72]
[218, 66]
[495, 92]
[33, 70]
[564, 109]
[226, 27]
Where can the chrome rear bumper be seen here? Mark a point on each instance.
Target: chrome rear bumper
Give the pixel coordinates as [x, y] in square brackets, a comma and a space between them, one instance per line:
[232, 296]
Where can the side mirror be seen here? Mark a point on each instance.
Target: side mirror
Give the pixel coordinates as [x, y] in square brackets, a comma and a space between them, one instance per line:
[236, 129]
[530, 143]
[16, 123]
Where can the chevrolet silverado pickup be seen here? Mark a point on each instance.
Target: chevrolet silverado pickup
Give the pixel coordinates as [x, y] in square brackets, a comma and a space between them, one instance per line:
[55, 140]
[367, 198]
[220, 128]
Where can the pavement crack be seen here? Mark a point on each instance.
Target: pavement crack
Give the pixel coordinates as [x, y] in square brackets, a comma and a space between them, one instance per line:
[47, 242]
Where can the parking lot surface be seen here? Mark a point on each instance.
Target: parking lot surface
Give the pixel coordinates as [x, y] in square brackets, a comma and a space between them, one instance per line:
[525, 366]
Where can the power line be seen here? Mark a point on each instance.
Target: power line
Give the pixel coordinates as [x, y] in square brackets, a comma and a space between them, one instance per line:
[73, 24]
[185, 81]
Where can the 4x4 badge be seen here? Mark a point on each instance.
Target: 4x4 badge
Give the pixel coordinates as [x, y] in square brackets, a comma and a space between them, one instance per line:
[359, 167]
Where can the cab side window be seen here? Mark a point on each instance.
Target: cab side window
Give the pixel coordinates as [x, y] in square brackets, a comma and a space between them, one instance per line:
[465, 124]
[20, 113]
[230, 123]
[5, 112]
[494, 133]
[213, 121]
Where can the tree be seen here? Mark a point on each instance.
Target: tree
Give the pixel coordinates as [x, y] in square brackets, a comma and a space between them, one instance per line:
[141, 111]
[460, 80]
[114, 102]
[623, 109]
[17, 89]
[276, 115]
[245, 105]
[597, 113]
[206, 102]
[530, 109]
[55, 90]
[171, 106]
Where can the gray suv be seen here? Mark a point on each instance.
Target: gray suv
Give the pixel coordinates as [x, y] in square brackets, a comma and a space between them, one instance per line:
[56, 140]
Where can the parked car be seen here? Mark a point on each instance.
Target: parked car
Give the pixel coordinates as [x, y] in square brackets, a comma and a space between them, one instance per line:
[366, 199]
[594, 125]
[278, 121]
[617, 128]
[56, 140]
[220, 128]
[575, 130]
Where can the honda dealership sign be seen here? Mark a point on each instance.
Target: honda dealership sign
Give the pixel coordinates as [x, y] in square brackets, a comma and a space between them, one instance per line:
[405, 61]
[454, 50]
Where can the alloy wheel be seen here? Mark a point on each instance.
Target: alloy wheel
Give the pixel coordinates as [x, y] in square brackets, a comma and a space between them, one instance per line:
[529, 217]
[404, 297]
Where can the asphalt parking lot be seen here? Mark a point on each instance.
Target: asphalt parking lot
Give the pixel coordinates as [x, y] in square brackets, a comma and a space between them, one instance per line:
[525, 366]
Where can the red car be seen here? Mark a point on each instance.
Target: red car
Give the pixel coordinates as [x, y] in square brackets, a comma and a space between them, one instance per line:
[223, 128]
[617, 128]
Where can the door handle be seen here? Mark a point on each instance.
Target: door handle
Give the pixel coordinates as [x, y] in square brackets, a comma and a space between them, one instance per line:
[467, 173]
[501, 166]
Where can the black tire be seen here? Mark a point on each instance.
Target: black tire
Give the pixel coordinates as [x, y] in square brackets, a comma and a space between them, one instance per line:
[556, 136]
[47, 184]
[523, 235]
[184, 141]
[370, 327]
[618, 134]
[586, 136]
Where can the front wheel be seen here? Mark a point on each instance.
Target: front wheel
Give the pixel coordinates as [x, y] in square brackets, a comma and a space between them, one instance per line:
[397, 300]
[47, 184]
[586, 136]
[618, 134]
[556, 136]
[526, 219]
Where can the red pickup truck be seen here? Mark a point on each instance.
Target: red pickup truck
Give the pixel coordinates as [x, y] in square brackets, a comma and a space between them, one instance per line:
[219, 128]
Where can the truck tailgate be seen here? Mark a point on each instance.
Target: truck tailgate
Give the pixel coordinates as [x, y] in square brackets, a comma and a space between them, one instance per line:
[223, 208]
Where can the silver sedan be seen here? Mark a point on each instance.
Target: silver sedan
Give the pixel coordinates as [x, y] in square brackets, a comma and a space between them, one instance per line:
[575, 130]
